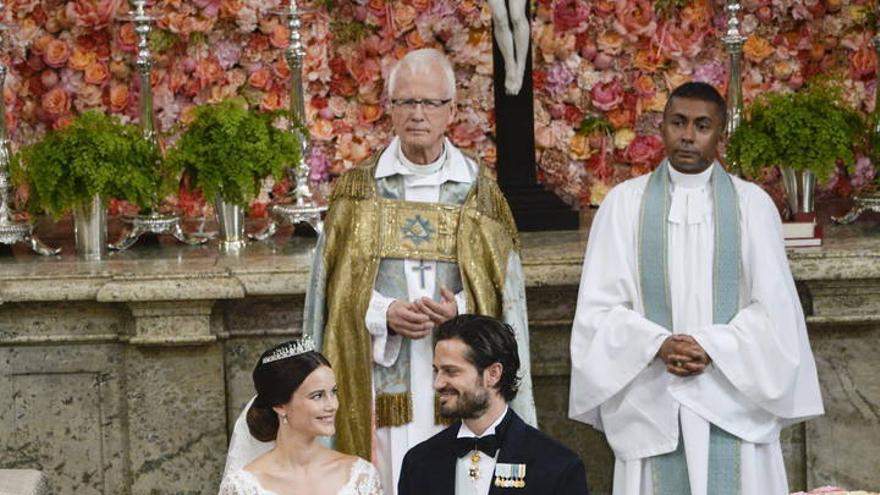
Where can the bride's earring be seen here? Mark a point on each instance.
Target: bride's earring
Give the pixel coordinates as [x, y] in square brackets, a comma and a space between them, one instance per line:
[284, 419]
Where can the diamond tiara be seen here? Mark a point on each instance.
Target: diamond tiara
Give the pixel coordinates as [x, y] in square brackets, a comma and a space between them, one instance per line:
[290, 349]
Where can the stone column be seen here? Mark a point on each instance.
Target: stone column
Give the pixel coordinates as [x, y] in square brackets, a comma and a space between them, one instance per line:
[176, 403]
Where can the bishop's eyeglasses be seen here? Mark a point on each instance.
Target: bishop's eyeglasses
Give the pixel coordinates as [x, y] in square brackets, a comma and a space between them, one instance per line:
[428, 104]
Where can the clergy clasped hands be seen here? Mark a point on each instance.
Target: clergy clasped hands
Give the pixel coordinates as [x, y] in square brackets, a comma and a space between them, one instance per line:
[417, 319]
[683, 355]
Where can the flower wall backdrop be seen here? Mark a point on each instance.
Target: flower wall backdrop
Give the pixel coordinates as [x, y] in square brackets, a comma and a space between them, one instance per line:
[602, 70]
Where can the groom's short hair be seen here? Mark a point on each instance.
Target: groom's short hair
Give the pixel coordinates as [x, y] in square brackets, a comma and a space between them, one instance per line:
[489, 341]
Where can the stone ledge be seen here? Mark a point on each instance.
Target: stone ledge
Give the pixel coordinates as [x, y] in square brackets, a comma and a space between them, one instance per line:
[23, 482]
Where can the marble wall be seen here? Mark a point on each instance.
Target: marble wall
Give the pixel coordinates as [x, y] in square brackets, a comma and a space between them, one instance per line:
[125, 377]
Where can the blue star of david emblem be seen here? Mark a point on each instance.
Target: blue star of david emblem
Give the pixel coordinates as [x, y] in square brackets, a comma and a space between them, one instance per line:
[417, 230]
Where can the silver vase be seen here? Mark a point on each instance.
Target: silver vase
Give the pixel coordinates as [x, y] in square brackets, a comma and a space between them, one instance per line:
[90, 229]
[230, 221]
[800, 187]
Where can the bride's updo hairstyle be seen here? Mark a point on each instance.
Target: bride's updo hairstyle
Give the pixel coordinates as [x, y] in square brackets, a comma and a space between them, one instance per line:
[279, 372]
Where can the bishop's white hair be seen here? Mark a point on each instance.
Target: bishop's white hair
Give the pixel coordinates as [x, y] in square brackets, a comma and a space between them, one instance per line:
[419, 62]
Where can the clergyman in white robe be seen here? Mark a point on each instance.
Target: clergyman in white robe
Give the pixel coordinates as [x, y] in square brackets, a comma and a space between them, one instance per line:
[762, 376]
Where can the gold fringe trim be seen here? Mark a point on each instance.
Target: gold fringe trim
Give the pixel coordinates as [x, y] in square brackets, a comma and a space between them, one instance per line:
[438, 419]
[492, 203]
[393, 409]
[357, 183]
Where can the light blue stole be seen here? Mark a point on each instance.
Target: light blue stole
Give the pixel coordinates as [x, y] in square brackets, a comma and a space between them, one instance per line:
[670, 474]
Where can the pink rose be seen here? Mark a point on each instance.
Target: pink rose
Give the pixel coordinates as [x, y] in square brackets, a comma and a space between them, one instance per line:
[570, 14]
[644, 151]
[93, 13]
[465, 134]
[56, 53]
[56, 102]
[49, 78]
[403, 16]
[88, 96]
[607, 96]
[635, 19]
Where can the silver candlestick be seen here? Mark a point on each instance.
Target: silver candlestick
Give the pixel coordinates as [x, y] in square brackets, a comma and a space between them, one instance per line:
[154, 222]
[12, 232]
[303, 208]
[870, 201]
[733, 41]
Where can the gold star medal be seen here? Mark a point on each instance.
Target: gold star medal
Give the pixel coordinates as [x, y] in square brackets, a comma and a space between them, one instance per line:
[474, 470]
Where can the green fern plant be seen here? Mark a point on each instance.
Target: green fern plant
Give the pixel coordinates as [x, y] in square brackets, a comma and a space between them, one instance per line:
[807, 130]
[228, 150]
[95, 155]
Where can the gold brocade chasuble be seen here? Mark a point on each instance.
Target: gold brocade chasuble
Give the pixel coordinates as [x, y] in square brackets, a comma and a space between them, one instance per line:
[361, 228]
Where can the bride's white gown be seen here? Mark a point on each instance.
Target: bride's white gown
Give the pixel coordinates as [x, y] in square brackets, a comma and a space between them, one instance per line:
[363, 479]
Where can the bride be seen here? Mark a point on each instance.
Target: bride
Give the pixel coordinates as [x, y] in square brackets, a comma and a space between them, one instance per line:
[295, 404]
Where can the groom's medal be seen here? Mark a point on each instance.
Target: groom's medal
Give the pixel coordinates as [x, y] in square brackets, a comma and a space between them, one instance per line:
[510, 475]
[474, 470]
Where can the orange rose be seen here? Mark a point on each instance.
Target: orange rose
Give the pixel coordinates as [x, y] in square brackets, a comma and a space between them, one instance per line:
[757, 49]
[610, 43]
[657, 103]
[421, 5]
[644, 86]
[322, 129]
[621, 117]
[696, 14]
[370, 113]
[81, 59]
[260, 79]
[281, 69]
[56, 54]
[88, 96]
[404, 16]
[208, 71]
[377, 6]
[40, 44]
[783, 69]
[127, 38]
[273, 100]
[176, 80]
[119, 97]
[96, 73]
[649, 60]
[120, 70]
[675, 78]
[579, 147]
[863, 63]
[56, 102]
[414, 39]
[280, 36]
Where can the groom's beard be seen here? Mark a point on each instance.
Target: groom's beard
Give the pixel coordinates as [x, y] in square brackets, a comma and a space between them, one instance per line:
[468, 405]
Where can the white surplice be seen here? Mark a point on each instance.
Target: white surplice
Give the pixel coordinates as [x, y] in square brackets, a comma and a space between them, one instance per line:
[422, 184]
[762, 376]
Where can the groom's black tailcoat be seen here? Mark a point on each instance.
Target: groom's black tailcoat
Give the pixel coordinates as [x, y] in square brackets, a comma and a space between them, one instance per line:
[551, 468]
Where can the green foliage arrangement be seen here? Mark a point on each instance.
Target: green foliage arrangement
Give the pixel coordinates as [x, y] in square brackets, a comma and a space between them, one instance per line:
[95, 155]
[808, 130]
[228, 150]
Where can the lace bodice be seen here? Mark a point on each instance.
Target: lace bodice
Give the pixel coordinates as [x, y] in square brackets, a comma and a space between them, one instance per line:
[363, 479]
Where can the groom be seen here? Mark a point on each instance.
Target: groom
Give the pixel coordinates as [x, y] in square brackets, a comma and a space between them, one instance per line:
[489, 449]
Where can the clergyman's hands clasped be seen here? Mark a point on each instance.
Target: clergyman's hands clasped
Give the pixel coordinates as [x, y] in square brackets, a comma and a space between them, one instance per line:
[683, 355]
[417, 319]
[438, 312]
[406, 320]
